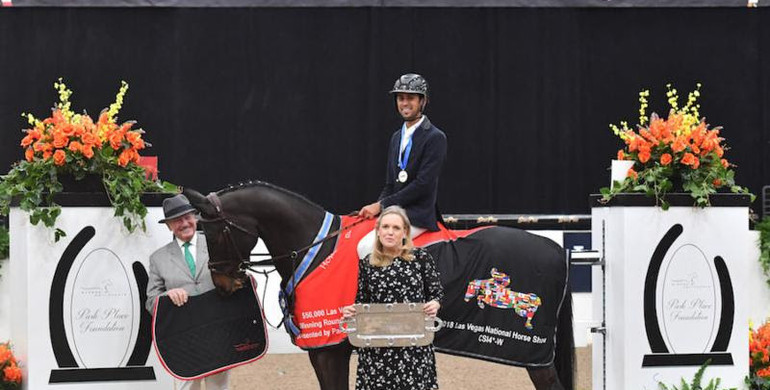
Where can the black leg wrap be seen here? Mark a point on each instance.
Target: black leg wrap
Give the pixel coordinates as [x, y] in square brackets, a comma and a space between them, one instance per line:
[545, 378]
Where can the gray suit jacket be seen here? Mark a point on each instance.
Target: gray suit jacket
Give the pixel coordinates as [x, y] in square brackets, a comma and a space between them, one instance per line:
[168, 270]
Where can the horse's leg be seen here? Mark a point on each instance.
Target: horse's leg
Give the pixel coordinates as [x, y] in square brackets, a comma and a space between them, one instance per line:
[545, 378]
[332, 365]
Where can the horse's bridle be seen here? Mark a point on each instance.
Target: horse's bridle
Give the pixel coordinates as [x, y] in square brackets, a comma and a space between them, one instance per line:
[244, 263]
[227, 232]
[247, 264]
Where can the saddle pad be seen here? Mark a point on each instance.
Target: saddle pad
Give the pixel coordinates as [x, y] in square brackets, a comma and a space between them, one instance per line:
[210, 333]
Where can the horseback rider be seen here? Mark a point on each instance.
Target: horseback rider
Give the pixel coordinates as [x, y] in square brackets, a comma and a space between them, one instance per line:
[416, 154]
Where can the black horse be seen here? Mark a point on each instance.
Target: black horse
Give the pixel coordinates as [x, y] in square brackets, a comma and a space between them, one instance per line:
[235, 218]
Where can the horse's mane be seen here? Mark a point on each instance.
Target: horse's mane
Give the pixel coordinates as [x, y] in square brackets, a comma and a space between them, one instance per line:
[257, 183]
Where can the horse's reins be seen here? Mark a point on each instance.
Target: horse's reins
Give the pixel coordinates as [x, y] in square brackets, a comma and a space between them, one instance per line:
[248, 264]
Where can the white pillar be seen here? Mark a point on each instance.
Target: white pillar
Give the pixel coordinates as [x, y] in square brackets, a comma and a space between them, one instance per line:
[95, 294]
[674, 292]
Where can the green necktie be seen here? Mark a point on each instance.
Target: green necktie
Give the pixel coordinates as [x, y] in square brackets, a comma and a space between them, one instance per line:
[189, 257]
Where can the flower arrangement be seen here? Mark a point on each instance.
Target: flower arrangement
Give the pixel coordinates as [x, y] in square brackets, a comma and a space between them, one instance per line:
[759, 357]
[678, 153]
[10, 373]
[71, 144]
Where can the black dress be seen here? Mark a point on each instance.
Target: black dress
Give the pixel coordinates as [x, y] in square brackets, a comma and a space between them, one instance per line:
[400, 282]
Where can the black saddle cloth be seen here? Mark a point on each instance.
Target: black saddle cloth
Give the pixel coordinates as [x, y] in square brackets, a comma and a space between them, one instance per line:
[209, 333]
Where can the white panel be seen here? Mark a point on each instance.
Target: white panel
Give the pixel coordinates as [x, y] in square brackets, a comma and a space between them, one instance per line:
[688, 297]
[102, 307]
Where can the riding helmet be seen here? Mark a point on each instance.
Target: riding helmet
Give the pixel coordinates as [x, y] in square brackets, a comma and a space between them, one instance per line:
[411, 83]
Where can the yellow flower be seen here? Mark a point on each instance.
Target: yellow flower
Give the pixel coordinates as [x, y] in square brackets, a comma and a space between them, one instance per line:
[643, 106]
[115, 107]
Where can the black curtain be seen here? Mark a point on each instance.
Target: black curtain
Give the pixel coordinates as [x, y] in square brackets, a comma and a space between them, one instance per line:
[298, 96]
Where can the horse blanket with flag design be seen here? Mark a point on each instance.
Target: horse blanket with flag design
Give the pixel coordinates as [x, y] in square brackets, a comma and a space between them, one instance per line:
[527, 277]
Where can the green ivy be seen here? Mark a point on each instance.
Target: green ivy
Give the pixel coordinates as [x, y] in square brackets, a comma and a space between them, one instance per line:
[764, 246]
[5, 242]
[695, 384]
[35, 185]
[756, 382]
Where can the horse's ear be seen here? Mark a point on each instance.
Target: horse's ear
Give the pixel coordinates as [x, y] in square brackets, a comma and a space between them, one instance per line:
[199, 201]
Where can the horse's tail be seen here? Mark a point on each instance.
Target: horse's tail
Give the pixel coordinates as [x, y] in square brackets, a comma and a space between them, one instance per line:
[565, 344]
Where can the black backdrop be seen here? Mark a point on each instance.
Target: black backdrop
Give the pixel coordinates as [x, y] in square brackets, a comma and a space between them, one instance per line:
[297, 96]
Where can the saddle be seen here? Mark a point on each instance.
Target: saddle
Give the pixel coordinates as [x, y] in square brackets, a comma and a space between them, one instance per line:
[210, 333]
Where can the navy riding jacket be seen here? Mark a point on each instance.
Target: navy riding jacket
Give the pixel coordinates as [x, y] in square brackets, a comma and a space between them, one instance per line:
[419, 193]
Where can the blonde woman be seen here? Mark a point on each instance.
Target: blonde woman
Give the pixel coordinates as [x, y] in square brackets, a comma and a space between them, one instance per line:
[396, 272]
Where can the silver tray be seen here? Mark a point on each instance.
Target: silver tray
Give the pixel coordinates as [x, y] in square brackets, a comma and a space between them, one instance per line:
[390, 325]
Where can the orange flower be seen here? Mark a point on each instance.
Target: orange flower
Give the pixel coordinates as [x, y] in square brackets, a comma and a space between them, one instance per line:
[12, 373]
[648, 136]
[720, 151]
[87, 122]
[104, 117]
[688, 159]
[47, 154]
[116, 139]
[698, 134]
[40, 146]
[5, 353]
[27, 140]
[138, 143]
[56, 116]
[124, 158]
[126, 126]
[679, 144]
[134, 155]
[59, 157]
[75, 146]
[36, 134]
[717, 183]
[88, 151]
[89, 139]
[764, 373]
[29, 154]
[644, 156]
[621, 155]
[67, 129]
[725, 163]
[665, 159]
[632, 173]
[658, 128]
[632, 140]
[60, 141]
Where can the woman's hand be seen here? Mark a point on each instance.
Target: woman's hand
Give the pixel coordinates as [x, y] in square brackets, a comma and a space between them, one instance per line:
[431, 308]
[348, 311]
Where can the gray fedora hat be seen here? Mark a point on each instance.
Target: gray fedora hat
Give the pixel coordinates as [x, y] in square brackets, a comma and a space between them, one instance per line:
[176, 206]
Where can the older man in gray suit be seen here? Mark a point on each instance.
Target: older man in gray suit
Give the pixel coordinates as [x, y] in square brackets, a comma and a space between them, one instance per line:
[180, 269]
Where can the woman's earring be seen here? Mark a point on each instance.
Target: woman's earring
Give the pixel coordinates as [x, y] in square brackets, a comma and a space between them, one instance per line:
[403, 241]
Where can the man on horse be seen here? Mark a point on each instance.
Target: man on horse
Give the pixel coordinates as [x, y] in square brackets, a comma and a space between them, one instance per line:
[416, 154]
[180, 269]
